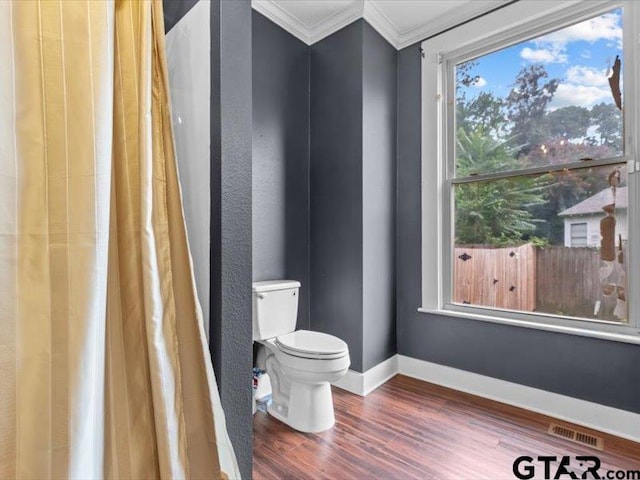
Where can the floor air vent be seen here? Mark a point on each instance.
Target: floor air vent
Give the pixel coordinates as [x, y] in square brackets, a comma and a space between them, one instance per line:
[576, 436]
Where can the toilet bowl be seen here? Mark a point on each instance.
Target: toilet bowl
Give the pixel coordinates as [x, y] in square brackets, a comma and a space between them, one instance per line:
[301, 364]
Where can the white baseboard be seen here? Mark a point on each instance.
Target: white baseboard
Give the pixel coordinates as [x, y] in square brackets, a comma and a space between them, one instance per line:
[591, 415]
[610, 420]
[364, 383]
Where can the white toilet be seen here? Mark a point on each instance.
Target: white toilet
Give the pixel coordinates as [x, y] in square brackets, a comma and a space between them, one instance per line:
[300, 364]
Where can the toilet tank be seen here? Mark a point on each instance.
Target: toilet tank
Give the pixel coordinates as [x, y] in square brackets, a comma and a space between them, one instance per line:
[275, 308]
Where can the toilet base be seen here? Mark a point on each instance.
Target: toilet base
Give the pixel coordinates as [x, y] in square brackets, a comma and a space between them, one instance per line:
[310, 408]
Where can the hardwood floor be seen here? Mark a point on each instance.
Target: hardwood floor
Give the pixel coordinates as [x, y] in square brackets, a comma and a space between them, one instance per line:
[412, 429]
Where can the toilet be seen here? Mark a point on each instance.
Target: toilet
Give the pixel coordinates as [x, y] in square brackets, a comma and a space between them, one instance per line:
[301, 364]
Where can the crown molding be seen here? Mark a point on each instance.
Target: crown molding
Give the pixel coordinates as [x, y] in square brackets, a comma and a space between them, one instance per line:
[336, 22]
[447, 21]
[315, 33]
[282, 18]
[368, 10]
[297, 28]
[381, 23]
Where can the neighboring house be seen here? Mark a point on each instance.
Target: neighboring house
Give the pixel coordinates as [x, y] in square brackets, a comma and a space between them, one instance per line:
[582, 221]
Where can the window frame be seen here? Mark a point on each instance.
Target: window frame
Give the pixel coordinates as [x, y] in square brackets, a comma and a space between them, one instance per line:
[484, 35]
[572, 237]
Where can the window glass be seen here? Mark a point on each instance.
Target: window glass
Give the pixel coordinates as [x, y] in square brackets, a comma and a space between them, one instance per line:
[578, 233]
[554, 243]
[551, 100]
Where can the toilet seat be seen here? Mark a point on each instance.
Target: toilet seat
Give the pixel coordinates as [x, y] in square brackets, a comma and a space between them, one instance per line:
[312, 345]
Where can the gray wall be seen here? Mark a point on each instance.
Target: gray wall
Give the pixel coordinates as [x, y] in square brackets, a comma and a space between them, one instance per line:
[281, 158]
[353, 149]
[599, 371]
[336, 188]
[231, 335]
[379, 188]
[174, 10]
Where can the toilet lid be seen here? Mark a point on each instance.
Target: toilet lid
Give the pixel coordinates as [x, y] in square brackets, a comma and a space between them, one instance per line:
[304, 343]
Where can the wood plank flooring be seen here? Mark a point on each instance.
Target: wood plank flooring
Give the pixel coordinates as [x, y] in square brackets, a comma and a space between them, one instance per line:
[409, 429]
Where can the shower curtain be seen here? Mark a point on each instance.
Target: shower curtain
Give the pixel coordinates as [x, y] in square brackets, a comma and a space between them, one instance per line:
[104, 366]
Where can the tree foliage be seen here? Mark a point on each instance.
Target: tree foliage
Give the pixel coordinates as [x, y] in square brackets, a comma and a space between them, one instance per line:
[493, 212]
[608, 119]
[526, 106]
[519, 131]
[568, 122]
[484, 113]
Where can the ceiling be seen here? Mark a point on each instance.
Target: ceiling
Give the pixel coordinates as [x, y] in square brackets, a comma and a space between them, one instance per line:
[400, 22]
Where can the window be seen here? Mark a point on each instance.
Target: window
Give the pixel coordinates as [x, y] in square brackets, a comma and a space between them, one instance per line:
[535, 138]
[578, 234]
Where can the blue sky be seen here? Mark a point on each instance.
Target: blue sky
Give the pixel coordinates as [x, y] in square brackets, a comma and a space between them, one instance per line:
[579, 55]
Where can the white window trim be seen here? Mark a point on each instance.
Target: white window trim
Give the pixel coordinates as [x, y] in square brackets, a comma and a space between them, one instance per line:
[515, 19]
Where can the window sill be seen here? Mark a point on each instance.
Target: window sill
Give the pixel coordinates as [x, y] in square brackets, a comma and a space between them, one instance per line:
[632, 337]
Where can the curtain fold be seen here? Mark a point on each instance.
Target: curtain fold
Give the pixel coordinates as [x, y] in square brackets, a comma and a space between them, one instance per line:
[104, 366]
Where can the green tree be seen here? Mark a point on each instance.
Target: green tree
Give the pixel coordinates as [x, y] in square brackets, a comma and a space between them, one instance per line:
[499, 212]
[493, 212]
[526, 107]
[464, 78]
[609, 121]
[485, 112]
[568, 123]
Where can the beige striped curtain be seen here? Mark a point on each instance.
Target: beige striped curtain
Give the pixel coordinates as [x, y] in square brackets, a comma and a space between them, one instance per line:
[104, 367]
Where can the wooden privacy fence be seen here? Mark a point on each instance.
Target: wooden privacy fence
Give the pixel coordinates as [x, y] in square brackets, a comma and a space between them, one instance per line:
[568, 281]
[496, 277]
[553, 279]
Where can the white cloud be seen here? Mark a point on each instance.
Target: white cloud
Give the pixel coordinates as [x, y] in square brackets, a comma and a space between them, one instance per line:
[543, 55]
[587, 76]
[580, 95]
[583, 86]
[481, 82]
[551, 48]
[604, 27]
